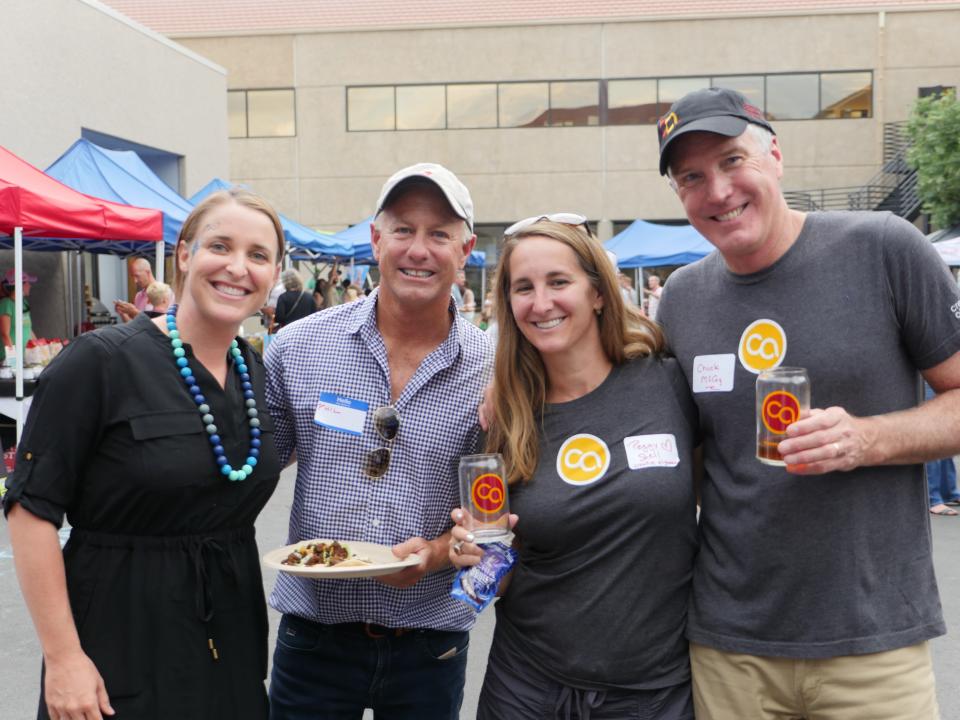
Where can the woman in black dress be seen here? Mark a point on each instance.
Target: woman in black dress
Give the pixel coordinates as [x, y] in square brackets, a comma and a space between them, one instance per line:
[152, 439]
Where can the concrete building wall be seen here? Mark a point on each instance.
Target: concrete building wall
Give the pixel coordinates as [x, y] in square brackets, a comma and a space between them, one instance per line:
[329, 177]
[71, 65]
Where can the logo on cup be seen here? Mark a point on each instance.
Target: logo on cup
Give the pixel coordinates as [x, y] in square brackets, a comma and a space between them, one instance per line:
[583, 459]
[763, 346]
[780, 409]
[488, 493]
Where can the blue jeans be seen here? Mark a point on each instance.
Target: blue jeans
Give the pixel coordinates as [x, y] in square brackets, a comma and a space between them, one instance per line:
[333, 672]
[942, 481]
[941, 474]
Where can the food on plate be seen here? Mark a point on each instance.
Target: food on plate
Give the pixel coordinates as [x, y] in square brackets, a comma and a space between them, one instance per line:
[325, 554]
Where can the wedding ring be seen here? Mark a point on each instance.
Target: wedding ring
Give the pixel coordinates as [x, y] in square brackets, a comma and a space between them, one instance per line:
[458, 547]
[837, 450]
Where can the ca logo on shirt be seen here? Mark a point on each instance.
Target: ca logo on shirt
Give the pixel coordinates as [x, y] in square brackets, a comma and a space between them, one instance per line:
[583, 459]
[763, 346]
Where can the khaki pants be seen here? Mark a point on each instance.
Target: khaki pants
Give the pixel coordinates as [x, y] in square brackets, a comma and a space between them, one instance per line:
[894, 685]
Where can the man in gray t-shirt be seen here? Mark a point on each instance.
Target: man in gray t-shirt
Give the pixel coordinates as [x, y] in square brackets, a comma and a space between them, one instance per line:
[814, 593]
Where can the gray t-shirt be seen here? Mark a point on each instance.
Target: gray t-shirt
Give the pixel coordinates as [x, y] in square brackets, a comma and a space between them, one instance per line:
[600, 591]
[828, 565]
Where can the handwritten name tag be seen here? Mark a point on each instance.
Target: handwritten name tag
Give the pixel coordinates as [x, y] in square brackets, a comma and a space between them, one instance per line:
[645, 451]
[712, 373]
[341, 413]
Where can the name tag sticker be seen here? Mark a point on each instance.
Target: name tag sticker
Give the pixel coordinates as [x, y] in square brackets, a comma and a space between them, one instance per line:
[713, 373]
[340, 413]
[645, 451]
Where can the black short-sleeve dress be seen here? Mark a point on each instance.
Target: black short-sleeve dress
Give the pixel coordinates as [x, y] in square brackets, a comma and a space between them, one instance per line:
[163, 571]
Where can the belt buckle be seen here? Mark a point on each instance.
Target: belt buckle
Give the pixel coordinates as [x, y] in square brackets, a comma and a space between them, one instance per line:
[369, 630]
[377, 632]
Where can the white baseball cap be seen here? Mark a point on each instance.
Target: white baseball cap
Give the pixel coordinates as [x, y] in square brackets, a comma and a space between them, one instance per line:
[455, 191]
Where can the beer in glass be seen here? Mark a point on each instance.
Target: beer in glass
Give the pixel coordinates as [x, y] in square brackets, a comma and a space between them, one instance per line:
[483, 496]
[783, 397]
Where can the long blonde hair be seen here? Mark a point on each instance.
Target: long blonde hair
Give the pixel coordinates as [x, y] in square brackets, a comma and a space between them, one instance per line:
[520, 378]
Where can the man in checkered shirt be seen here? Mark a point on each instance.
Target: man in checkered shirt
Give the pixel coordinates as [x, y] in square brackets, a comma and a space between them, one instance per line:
[377, 399]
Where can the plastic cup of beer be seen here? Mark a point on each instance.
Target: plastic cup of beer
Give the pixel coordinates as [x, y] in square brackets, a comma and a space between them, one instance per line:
[483, 496]
[783, 397]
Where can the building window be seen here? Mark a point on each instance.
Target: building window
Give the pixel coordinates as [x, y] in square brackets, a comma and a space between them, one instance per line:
[370, 108]
[523, 104]
[793, 97]
[421, 107]
[574, 103]
[632, 102]
[472, 106]
[672, 89]
[565, 103]
[261, 113]
[237, 113]
[846, 95]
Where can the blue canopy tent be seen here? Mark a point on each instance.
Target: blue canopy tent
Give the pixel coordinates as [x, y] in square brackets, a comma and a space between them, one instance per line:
[358, 237]
[121, 176]
[318, 245]
[645, 244]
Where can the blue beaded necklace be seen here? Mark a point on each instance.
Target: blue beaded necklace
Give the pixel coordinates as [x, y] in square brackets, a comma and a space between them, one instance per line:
[240, 367]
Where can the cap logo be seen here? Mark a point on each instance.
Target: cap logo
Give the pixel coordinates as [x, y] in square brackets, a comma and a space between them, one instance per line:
[667, 124]
[753, 111]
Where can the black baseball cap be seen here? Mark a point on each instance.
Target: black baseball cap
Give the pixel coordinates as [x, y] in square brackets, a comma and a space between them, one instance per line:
[716, 110]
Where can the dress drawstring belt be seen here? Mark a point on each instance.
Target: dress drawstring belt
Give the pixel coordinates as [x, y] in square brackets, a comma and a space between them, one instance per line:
[198, 549]
[203, 595]
[583, 700]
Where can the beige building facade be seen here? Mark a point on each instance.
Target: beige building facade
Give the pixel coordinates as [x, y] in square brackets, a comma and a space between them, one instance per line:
[540, 116]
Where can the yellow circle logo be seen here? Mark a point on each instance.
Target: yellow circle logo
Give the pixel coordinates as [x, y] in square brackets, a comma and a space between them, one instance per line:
[763, 346]
[583, 459]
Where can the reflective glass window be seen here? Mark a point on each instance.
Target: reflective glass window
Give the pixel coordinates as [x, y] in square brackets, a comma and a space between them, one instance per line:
[672, 89]
[750, 86]
[270, 113]
[846, 95]
[793, 97]
[523, 104]
[421, 107]
[575, 103]
[472, 106]
[370, 108]
[632, 102]
[237, 113]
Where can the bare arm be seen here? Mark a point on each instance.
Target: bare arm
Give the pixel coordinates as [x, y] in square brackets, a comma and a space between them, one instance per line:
[5, 330]
[832, 439]
[72, 686]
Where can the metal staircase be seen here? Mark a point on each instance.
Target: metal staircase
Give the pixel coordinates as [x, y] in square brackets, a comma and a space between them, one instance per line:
[893, 188]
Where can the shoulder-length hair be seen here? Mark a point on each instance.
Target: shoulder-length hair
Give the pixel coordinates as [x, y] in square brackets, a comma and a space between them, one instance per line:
[191, 226]
[520, 377]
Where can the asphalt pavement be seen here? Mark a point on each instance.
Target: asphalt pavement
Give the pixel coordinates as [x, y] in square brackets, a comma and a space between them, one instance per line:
[20, 653]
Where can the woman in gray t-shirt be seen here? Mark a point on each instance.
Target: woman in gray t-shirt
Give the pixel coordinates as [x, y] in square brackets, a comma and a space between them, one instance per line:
[597, 429]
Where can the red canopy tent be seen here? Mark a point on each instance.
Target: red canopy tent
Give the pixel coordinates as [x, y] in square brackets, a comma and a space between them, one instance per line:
[53, 216]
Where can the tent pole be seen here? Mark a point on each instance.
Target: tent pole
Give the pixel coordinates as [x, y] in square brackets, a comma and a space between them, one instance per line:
[79, 306]
[18, 319]
[68, 295]
[159, 272]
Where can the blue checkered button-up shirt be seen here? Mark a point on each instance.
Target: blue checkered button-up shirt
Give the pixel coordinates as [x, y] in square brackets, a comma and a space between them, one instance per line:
[340, 351]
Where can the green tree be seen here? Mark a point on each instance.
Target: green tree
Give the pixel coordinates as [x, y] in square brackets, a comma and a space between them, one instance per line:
[934, 129]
